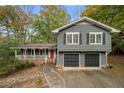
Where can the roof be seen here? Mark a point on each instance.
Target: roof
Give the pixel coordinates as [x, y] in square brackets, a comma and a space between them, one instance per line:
[90, 21]
[36, 46]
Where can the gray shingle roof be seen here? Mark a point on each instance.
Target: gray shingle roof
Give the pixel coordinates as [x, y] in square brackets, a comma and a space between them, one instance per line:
[36, 46]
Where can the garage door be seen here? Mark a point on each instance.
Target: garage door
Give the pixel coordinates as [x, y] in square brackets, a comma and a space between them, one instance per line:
[71, 60]
[92, 60]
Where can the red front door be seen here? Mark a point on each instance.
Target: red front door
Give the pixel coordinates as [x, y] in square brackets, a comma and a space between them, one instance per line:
[51, 54]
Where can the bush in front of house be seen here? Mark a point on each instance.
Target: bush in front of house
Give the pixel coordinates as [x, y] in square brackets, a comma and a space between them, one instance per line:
[8, 63]
[12, 68]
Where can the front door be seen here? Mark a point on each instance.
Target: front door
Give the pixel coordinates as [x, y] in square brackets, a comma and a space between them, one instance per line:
[51, 54]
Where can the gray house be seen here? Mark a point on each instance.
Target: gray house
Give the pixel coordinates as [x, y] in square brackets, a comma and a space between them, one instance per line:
[82, 43]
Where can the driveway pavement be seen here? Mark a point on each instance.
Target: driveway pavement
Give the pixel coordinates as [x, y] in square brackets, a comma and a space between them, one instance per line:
[91, 79]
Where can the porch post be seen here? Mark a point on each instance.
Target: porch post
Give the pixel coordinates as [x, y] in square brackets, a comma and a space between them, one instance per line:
[34, 54]
[45, 51]
[25, 54]
[15, 53]
[39, 52]
[45, 56]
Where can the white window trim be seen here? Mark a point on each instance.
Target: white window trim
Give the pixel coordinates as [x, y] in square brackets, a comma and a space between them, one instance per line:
[67, 33]
[95, 38]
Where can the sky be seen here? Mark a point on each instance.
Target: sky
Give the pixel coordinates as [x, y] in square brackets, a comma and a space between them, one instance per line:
[70, 10]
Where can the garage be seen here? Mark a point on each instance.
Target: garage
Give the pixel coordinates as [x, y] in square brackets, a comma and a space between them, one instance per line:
[92, 60]
[71, 60]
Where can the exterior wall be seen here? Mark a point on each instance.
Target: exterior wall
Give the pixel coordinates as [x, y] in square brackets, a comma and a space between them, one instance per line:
[82, 60]
[60, 59]
[103, 59]
[84, 29]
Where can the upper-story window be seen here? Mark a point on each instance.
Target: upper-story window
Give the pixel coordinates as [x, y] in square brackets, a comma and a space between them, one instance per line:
[72, 38]
[95, 38]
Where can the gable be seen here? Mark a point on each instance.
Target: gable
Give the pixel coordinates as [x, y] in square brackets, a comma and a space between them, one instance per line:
[86, 20]
[83, 27]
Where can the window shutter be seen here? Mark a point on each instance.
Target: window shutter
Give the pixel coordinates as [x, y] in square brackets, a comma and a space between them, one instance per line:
[80, 38]
[103, 39]
[87, 38]
[64, 39]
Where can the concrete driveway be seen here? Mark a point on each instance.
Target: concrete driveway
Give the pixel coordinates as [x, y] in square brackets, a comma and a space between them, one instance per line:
[91, 79]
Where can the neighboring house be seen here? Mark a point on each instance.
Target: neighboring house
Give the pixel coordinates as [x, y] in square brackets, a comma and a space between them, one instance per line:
[82, 43]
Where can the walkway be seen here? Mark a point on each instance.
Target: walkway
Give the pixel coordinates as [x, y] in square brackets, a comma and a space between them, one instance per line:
[53, 79]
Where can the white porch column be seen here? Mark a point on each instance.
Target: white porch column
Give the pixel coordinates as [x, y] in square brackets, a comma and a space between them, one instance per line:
[45, 56]
[25, 54]
[39, 52]
[34, 54]
[15, 53]
[45, 51]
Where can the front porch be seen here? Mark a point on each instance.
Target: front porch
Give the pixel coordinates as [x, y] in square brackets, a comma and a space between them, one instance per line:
[41, 52]
[32, 54]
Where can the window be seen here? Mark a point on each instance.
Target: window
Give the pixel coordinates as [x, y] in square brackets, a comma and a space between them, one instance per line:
[95, 38]
[72, 38]
[92, 38]
[69, 38]
[75, 38]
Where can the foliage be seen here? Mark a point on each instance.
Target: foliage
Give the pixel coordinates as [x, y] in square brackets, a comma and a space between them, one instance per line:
[11, 68]
[50, 18]
[112, 16]
[8, 63]
[14, 19]
[118, 43]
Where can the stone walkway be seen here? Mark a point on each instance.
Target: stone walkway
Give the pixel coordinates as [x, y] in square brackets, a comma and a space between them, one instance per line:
[53, 78]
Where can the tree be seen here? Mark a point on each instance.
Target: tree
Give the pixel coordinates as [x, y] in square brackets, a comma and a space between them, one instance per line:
[50, 18]
[14, 19]
[29, 9]
[112, 16]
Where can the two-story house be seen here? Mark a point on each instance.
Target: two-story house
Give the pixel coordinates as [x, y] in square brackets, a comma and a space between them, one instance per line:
[82, 43]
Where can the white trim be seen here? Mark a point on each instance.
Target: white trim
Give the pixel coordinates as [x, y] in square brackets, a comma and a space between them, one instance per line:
[71, 53]
[15, 53]
[54, 54]
[25, 54]
[106, 58]
[100, 61]
[96, 33]
[49, 53]
[89, 20]
[34, 54]
[72, 33]
[80, 68]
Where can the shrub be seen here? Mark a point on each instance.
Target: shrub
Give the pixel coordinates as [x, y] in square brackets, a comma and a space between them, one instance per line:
[8, 69]
[8, 63]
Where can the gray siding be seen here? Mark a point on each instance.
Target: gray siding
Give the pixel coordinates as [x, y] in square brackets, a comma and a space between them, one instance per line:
[103, 60]
[82, 59]
[84, 29]
[84, 47]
